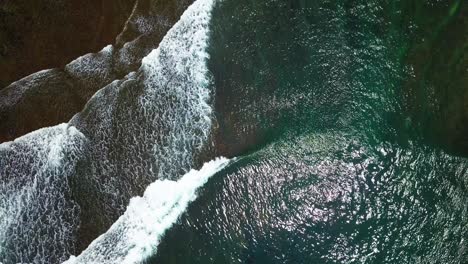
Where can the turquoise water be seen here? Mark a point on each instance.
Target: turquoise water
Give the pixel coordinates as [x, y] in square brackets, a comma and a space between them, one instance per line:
[339, 156]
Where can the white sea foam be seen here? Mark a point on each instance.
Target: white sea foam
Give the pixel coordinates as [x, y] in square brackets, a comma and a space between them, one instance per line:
[176, 74]
[149, 126]
[92, 68]
[154, 125]
[136, 235]
[35, 173]
[176, 99]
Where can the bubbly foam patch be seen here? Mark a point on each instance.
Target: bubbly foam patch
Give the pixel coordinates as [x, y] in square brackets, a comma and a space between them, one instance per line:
[35, 207]
[177, 75]
[136, 235]
[91, 69]
[148, 127]
[156, 123]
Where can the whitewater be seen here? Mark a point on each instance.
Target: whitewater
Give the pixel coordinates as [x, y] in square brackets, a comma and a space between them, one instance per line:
[136, 235]
[145, 130]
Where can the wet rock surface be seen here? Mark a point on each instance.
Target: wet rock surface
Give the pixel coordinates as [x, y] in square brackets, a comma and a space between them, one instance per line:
[41, 34]
[145, 27]
[54, 96]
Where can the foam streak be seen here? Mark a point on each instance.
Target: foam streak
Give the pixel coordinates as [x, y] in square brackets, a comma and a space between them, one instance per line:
[136, 235]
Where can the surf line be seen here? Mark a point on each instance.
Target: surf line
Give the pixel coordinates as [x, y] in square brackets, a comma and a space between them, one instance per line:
[136, 234]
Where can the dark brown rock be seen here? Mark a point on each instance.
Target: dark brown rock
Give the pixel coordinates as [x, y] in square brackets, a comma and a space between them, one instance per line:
[43, 34]
[147, 23]
[50, 97]
[35, 101]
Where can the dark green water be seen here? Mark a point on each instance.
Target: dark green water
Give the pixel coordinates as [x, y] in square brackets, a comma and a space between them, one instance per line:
[345, 160]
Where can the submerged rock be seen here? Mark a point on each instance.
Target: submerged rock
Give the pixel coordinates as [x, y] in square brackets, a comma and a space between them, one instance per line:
[436, 89]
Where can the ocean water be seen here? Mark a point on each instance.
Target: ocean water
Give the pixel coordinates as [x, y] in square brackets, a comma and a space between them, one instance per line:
[340, 171]
[337, 151]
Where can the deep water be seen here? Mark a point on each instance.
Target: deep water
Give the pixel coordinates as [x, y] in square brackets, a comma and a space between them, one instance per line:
[338, 165]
